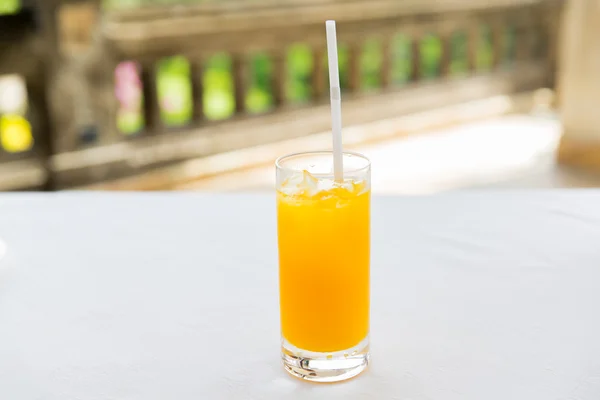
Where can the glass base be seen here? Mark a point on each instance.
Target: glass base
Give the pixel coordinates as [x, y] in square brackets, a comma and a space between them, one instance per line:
[325, 367]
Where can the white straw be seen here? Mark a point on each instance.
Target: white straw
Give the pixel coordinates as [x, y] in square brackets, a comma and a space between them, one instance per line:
[336, 101]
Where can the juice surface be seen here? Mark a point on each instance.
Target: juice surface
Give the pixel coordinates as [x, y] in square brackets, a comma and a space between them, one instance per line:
[324, 260]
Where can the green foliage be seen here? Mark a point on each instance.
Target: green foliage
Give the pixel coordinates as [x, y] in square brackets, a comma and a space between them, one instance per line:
[259, 97]
[130, 123]
[401, 59]
[300, 64]
[431, 55]
[485, 49]
[371, 61]
[459, 59]
[219, 93]
[174, 88]
[344, 65]
[174, 73]
[9, 6]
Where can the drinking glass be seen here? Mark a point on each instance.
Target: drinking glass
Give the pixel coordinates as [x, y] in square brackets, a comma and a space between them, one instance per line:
[324, 265]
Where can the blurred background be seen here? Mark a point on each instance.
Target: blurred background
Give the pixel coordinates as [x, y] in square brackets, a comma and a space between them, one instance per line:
[205, 95]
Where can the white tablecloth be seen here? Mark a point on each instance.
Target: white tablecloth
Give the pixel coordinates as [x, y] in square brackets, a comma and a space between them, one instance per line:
[174, 296]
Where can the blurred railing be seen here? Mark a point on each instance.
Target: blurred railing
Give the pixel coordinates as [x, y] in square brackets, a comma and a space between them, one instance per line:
[24, 122]
[398, 57]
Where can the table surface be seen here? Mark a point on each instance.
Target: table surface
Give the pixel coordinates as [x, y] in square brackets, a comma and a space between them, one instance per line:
[475, 295]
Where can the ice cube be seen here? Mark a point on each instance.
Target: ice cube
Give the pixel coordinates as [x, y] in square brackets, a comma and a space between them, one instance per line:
[302, 184]
[347, 184]
[309, 185]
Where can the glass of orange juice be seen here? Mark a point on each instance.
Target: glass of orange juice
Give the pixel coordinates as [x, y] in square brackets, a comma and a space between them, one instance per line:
[324, 265]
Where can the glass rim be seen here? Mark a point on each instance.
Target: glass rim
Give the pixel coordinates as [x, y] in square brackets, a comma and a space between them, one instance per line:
[279, 162]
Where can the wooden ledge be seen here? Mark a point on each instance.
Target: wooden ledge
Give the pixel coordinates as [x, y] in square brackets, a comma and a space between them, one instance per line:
[578, 153]
[239, 160]
[23, 175]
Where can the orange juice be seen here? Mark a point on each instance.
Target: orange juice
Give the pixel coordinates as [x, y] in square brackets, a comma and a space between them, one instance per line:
[324, 260]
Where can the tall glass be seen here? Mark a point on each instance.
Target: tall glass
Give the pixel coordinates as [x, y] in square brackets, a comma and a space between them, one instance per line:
[324, 265]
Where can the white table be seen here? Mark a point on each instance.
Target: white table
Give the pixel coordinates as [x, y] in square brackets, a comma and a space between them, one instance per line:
[174, 296]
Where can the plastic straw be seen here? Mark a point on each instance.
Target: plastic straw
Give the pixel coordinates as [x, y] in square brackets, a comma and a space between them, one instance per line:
[336, 101]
